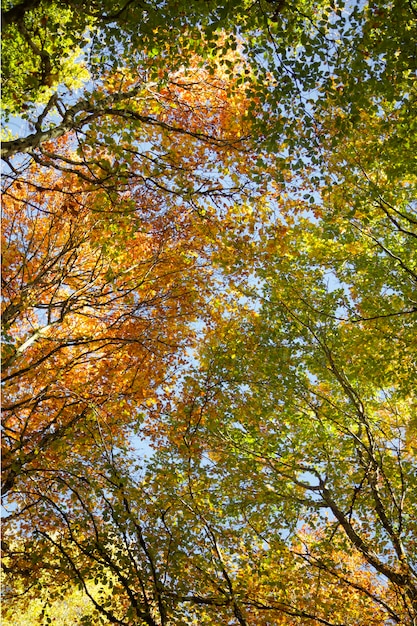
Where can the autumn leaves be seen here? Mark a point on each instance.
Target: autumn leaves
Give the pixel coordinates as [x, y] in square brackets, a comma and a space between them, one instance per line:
[177, 278]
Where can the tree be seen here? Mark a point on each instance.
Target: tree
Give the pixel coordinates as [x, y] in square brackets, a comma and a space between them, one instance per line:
[305, 403]
[82, 316]
[107, 266]
[210, 249]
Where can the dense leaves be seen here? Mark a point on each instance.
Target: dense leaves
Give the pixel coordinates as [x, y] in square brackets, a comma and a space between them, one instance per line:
[107, 266]
[209, 313]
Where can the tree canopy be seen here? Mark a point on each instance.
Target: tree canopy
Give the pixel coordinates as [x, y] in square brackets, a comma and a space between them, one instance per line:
[209, 313]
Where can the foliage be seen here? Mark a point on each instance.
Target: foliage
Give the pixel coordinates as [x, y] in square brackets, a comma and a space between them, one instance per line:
[40, 50]
[74, 608]
[209, 313]
[100, 254]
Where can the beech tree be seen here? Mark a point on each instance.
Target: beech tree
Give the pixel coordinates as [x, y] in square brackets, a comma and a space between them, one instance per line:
[107, 266]
[209, 313]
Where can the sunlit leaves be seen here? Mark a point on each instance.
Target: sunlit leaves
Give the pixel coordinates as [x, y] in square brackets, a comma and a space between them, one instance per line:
[210, 261]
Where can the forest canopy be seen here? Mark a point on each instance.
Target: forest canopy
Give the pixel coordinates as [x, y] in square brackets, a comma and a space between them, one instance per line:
[209, 312]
